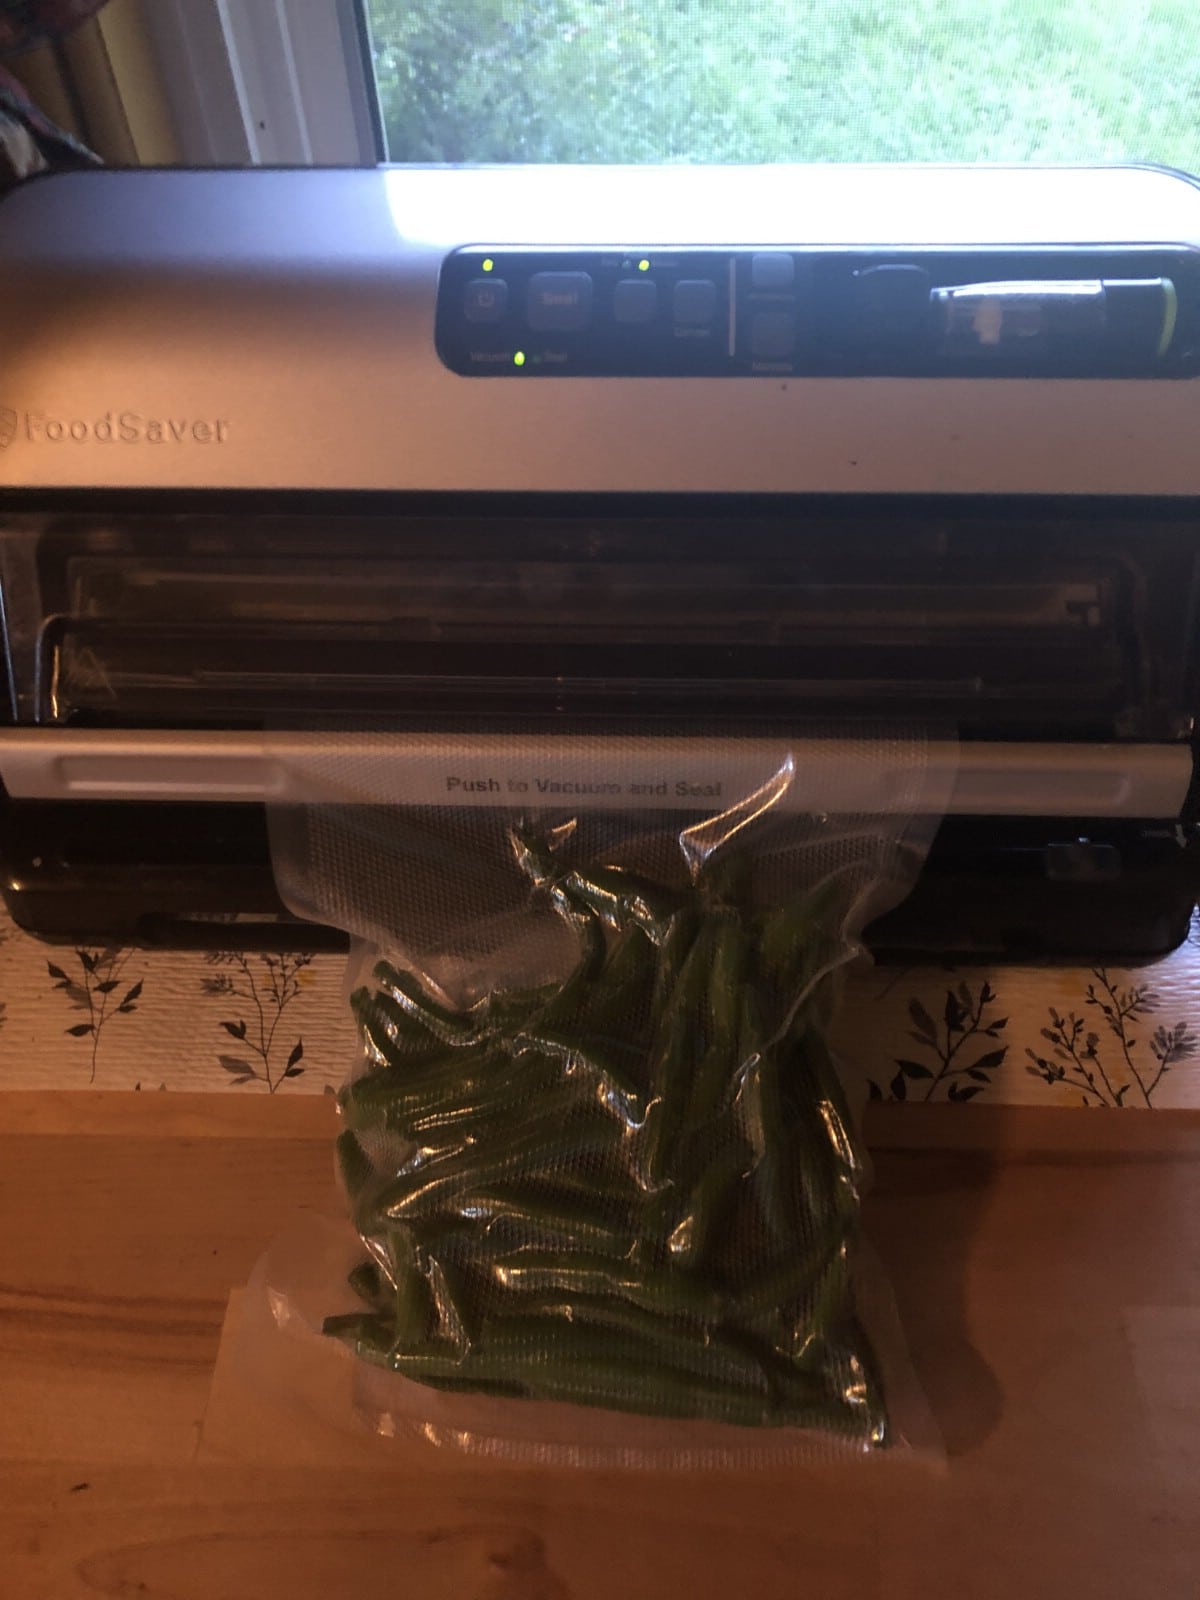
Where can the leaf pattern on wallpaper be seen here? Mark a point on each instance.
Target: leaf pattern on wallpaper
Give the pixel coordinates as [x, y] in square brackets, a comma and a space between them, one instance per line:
[1111, 1071]
[953, 1061]
[266, 985]
[1145, 1024]
[100, 991]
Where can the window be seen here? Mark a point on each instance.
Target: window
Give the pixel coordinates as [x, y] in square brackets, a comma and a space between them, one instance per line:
[355, 81]
[788, 80]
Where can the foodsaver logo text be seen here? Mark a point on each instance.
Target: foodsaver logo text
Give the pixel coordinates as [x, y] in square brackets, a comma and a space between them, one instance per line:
[110, 428]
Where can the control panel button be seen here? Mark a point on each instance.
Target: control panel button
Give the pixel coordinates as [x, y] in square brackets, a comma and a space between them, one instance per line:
[485, 300]
[695, 301]
[772, 335]
[635, 300]
[559, 301]
[772, 270]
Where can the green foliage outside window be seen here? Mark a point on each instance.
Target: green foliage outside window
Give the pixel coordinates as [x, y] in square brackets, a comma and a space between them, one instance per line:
[791, 80]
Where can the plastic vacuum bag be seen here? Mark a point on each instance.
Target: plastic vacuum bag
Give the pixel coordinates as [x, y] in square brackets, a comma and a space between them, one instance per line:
[595, 1145]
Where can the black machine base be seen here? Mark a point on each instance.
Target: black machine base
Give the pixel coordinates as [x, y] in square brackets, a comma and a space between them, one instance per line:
[199, 877]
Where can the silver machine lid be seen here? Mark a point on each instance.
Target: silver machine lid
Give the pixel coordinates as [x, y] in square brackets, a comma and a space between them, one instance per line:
[277, 329]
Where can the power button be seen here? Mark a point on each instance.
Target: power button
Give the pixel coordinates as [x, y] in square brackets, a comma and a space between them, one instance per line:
[485, 300]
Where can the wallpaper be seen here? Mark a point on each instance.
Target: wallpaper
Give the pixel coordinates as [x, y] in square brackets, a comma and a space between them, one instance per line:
[254, 1023]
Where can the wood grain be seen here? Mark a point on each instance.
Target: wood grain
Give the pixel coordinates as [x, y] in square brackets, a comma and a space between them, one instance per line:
[1049, 1281]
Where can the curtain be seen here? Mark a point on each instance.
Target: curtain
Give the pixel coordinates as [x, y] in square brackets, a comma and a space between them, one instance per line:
[30, 142]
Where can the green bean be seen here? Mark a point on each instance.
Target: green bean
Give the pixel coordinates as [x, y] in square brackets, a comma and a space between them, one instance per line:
[776, 1185]
[621, 900]
[837, 1414]
[610, 1029]
[454, 1027]
[412, 1300]
[572, 1326]
[393, 1038]
[873, 1404]
[631, 964]
[515, 1096]
[725, 878]
[755, 1032]
[600, 894]
[526, 1216]
[387, 1099]
[796, 941]
[618, 898]
[673, 951]
[358, 1327]
[602, 1379]
[454, 1308]
[819, 1128]
[609, 1382]
[786, 1283]
[807, 1333]
[507, 1010]
[368, 1284]
[359, 1179]
[726, 979]
[712, 1085]
[707, 1204]
[847, 1365]
[563, 1006]
[574, 1224]
[609, 1057]
[557, 1360]
[835, 1110]
[815, 1196]
[824, 1307]
[582, 1273]
[354, 1165]
[658, 1215]
[535, 858]
[662, 1125]
[616, 895]
[680, 1046]
[425, 1184]
[497, 1388]
[760, 1113]
[689, 997]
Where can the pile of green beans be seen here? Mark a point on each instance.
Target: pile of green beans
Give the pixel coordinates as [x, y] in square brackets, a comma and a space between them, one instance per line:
[638, 1188]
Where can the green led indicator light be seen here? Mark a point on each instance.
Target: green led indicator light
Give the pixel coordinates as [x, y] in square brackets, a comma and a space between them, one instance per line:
[519, 359]
[488, 263]
[643, 265]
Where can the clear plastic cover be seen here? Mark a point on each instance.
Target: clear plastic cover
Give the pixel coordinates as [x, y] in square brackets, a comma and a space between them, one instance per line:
[595, 1146]
[1046, 620]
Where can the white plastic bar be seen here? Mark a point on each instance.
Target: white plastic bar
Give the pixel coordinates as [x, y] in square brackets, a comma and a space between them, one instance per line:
[1101, 780]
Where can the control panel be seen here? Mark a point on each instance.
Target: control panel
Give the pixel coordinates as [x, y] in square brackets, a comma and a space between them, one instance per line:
[770, 312]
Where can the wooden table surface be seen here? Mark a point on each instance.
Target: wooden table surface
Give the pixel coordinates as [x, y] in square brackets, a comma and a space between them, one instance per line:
[1047, 1265]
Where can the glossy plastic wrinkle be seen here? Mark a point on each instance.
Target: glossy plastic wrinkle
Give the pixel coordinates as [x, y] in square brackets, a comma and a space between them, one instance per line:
[630, 1182]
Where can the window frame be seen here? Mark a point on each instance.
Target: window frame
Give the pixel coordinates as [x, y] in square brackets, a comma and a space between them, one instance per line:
[267, 82]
